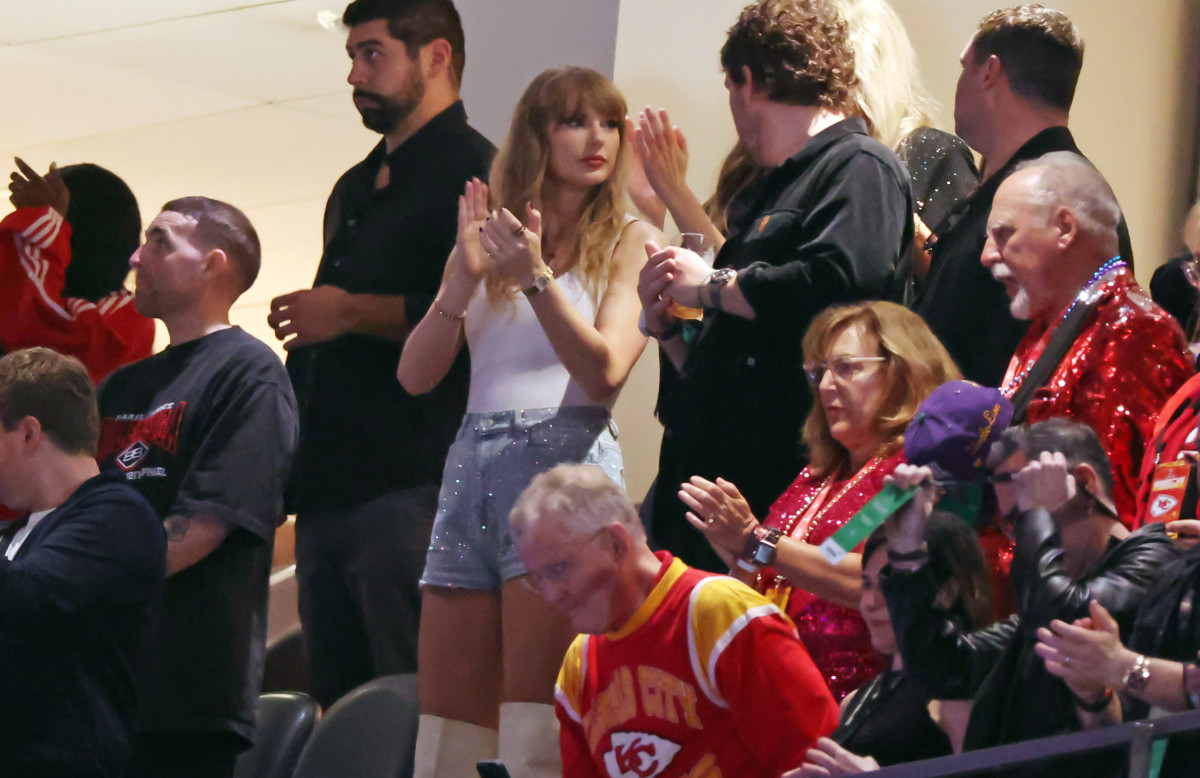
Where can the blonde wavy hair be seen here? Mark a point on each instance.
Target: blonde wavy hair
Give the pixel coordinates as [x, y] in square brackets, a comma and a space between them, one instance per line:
[519, 173]
[889, 95]
[916, 364]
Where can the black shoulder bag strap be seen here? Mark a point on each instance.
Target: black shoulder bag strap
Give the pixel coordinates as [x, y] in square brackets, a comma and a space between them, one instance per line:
[1060, 343]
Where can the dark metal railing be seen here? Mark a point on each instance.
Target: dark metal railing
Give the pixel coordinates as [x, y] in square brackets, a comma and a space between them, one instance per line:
[1137, 737]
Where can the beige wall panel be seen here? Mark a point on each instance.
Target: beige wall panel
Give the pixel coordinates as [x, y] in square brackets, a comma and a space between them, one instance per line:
[1135, 114]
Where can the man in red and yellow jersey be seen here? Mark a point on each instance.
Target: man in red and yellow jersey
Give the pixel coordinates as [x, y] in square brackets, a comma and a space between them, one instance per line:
[678, 672]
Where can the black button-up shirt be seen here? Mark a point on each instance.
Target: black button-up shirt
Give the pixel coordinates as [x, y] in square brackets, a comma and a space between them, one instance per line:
[362, 434]
[833, 224]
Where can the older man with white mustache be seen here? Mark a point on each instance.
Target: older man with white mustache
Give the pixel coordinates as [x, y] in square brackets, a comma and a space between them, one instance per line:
[1110, 357]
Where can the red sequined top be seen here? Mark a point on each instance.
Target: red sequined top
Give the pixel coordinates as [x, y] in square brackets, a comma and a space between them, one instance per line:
[836, 637]
[1127, 361]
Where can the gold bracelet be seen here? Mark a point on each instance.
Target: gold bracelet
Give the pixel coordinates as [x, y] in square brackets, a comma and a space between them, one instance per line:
[437, 306]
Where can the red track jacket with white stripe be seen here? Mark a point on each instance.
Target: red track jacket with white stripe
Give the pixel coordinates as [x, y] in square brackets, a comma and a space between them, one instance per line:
[35, 247]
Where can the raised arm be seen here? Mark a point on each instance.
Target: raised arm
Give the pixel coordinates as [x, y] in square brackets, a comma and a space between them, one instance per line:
[434, 343]
[599, 354]
[1045, 589]
[723, 516]
[662, 150]
[952, 663]
[35, 252]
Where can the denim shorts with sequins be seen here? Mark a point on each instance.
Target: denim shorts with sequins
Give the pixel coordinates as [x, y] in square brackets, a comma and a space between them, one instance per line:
[492, 460]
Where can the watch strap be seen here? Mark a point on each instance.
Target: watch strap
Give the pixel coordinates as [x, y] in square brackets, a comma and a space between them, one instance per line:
[1138, 676]
[716, 281]
[540, 282]
[761, 548]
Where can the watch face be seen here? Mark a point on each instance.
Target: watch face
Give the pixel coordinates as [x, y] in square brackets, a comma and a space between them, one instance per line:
[763, 554]
[539, 284]
[723, 276]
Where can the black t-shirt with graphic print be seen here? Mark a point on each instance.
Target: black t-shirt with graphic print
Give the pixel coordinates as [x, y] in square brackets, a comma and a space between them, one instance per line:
[207, 428]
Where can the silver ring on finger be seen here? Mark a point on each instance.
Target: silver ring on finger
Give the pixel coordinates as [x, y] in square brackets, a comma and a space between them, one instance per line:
[1066, 661]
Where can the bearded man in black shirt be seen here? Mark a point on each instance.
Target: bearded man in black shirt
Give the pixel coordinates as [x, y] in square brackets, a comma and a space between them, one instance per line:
[205, 431]
[367, 474]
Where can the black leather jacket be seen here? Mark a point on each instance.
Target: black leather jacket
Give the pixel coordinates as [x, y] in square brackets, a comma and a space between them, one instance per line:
[1015, 698]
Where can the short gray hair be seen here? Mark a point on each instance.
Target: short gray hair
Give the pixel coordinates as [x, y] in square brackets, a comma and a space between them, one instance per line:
[581, 497]
[1067, 179]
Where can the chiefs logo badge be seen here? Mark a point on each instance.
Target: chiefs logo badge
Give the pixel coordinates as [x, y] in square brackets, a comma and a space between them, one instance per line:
[638, 755]
[1162, 504]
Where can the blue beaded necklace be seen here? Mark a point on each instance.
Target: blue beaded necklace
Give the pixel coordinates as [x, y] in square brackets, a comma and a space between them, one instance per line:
[1109, 266]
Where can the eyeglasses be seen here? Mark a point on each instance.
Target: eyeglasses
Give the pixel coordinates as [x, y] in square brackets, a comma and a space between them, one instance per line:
[844, 369]
[559, 572]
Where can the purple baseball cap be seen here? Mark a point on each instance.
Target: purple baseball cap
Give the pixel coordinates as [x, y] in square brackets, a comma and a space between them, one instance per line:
[954, 429]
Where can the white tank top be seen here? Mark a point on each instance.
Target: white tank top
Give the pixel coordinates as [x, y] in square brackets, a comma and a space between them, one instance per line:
[513, 365]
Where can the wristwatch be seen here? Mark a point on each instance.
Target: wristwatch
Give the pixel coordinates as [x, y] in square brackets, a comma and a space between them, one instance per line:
[540, 282]
[716, 281]
[760, 549]
[1138, 676]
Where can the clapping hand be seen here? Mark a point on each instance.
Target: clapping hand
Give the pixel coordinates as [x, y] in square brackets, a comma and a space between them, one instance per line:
[663, 152]
[1088, 654]
[721, 513]
[516, 248]
[469, 256]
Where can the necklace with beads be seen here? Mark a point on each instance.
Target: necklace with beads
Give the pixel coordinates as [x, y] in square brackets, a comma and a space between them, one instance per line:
[1113, 264]
[826, 485]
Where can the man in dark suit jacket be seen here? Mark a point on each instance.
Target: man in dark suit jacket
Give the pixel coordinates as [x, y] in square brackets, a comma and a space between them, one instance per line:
[80, 579]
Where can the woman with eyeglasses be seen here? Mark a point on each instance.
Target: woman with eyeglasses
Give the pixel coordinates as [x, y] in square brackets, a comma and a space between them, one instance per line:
[870, 365]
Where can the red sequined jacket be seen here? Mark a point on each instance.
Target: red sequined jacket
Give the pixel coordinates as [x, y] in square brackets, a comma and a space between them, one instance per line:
[1128, 359]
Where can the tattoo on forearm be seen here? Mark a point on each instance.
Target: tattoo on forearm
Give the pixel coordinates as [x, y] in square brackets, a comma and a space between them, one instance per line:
[177, 527]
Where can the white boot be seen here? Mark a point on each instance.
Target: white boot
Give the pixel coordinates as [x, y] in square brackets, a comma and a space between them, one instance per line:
[449, 749]
[529, 740]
